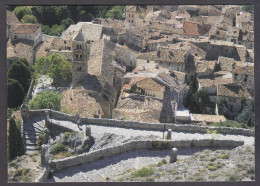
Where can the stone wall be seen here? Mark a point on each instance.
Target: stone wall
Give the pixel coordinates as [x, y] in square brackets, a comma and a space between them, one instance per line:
[145, 126]
[43, 176]
[134, 145]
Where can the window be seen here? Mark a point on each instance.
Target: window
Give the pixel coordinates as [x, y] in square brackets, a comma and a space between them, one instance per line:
[77, 56]
[148, 61]
[231, 107]
[235, 32]
[131, 63]
[65, 42]
[80, 56]
[79, 68]
[15, 37]
[245, 79]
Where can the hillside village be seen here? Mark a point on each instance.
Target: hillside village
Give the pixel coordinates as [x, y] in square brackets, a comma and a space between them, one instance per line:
[148, 67]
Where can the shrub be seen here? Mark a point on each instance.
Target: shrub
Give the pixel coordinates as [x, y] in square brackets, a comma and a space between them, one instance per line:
[223, 156]
[247, 116]
[29, 19]
[43, 138]
[20, 72]
[46, 100]
[234, 177]
[143, 172]
[230, 123]
[59, 148]
[61, 155]
[20, 11]
[15, 141]
[15, 93]
[162, 163]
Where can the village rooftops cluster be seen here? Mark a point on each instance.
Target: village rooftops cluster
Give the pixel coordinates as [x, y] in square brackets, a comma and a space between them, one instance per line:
[146, 63]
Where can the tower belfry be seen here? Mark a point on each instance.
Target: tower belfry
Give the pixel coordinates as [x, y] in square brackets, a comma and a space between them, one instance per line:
[79, 62]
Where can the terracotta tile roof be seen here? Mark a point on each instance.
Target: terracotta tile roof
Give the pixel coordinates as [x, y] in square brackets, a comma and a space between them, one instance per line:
[19, 51]
[246, 70]
[226, 63]
[11, 19]
[205, 65]
[110, 23]
[25, 28]
[207, 118]
[52, 43]
[233, 90]
[150, 84]
[215, 82]
[180, 75]
[195, 29]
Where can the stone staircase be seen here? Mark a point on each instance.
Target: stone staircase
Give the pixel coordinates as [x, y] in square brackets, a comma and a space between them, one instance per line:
[32, 128]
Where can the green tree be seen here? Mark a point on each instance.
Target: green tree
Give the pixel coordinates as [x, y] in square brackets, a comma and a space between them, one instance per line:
[203, 100]
[116, 12]
[46, 100]
[20, 11]
[67, 22]
[15, 141]
[20, 72]
[222, 107]
[29, 19]
[55, 66]
[15, 93]
[247, 116]
[248, 8]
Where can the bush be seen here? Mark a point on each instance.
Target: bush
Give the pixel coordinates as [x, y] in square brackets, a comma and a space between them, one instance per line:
[55, 66]
[20, 72]
[46, 100]
[230, 123]
[222, 107]
[144, 172]
[15, 93]
[15, 141]
[116, 12]
[43, 138]
[59, 148]
[21, 11]
[247, 116]
[29, 19]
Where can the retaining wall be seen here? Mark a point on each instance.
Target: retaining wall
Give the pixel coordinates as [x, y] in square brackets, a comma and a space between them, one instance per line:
[60, 164]
[140, 125]
[43, 176]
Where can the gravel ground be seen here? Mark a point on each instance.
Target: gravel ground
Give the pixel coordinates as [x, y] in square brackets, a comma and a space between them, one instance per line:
[192, 165]
[114, 166]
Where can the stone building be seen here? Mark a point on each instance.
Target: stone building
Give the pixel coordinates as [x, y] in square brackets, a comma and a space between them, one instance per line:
[244, 75]
[23, 49]
[30, 32]
[233, 94]
[106, 73]
[80, 57]
[138, 12]
[11, 21]
[143, 93]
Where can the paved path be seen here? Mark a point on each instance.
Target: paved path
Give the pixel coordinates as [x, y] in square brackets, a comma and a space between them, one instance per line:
[98, 131]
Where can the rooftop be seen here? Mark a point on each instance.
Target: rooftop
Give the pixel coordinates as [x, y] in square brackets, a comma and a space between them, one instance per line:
[233, 90]
[25, 28]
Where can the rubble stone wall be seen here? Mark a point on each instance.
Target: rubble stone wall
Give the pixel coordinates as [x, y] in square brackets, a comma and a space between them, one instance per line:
[134, 145]
[140, 125]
